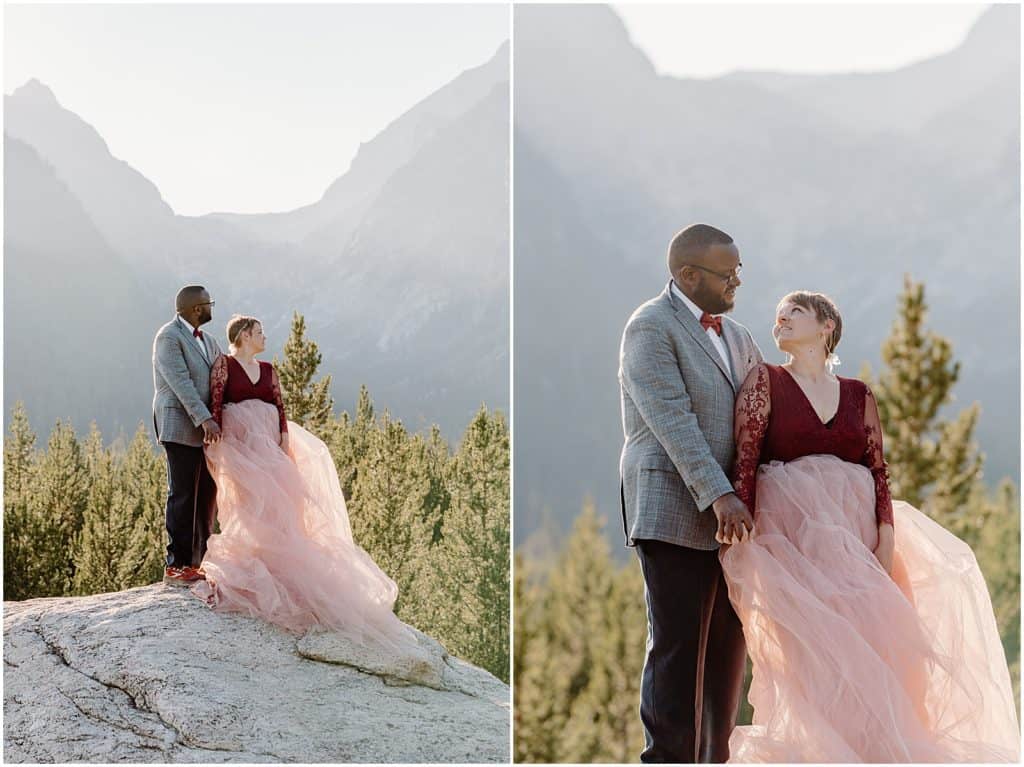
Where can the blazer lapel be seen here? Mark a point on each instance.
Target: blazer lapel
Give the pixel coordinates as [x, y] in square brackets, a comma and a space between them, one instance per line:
[693, 327]
[211, 355]
[731, 337]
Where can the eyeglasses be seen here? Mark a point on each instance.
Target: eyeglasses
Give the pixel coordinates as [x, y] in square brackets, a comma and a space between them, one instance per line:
[207, 303]
[733, 276]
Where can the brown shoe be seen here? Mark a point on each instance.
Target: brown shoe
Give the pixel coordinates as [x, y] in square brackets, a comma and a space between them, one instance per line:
[198, 572]
[182, 576]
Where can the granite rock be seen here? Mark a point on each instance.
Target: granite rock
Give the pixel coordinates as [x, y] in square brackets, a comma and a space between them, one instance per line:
[152, 675]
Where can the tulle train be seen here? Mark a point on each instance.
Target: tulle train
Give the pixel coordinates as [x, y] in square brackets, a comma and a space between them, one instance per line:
[285, 551]
[850, 665]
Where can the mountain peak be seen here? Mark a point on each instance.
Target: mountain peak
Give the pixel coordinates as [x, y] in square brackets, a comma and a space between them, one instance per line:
[995, 23]
[585, 38]
[36, 92]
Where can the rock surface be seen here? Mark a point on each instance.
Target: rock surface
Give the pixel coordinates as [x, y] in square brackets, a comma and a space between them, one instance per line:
[152, 675]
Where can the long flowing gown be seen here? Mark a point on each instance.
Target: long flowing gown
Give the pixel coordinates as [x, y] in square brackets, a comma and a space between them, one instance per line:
[285, 551]
[850, 664]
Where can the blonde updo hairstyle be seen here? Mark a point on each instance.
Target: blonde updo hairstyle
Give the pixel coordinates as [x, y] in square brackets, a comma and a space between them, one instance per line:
[238, 324]
[824, 308]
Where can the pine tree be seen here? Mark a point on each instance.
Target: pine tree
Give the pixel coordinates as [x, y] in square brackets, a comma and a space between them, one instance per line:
[307, 403]
[475, 546]
[401, 491]
[959, 465]
[540, 706]
[603, 724]
[935, 464]
[19, 533]
[525, 631]
[364, 408]
[627, 616]
[19, 451]
[580, 587]
[56, 510]
[439, 467]
[932, 463]
[105, 532]
[386, 509]
[350, 440]
[143, 486]
[580, 637]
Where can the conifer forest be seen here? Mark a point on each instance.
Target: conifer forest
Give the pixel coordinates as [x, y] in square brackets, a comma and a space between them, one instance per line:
[85, 517]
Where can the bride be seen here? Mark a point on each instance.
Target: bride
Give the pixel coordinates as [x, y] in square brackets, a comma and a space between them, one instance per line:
[285, 551]
[869, 626]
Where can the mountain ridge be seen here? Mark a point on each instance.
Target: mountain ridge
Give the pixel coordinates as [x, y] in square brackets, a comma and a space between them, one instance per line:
[255, 274]
[444, 105]
[633, 157]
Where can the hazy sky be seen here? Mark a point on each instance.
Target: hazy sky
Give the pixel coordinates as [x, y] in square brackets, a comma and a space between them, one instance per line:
[710, 40]
[244, 108]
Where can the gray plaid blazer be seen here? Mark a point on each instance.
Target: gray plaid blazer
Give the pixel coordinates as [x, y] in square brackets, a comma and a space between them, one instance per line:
[181, 383]
[677, 417]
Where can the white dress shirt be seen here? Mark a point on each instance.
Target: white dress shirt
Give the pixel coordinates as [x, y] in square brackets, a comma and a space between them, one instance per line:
[716, 340]
[199, 342]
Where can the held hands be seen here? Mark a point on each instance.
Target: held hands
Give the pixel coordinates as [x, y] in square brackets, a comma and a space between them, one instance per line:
[734, 521]
[886, 547]
[211, 432]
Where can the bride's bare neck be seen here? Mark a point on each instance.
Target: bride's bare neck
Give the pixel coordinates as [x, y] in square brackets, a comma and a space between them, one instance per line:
[808, 364]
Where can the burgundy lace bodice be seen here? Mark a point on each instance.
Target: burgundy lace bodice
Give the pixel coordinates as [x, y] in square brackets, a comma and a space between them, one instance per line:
[230, 383]
[776, 422]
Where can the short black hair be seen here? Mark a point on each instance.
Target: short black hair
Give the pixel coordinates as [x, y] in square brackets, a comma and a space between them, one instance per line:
[693, 241]
[187, 297]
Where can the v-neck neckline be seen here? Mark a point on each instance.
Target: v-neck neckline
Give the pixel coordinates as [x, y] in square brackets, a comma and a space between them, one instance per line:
[810, 405]
[258, 378]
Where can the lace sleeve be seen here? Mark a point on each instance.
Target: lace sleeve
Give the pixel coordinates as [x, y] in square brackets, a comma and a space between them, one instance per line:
[218, 380]
[753, 408]
[279, 402]
[874, 459]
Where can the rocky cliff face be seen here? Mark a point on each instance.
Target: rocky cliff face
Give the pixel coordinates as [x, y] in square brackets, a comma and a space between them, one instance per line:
[153, 675]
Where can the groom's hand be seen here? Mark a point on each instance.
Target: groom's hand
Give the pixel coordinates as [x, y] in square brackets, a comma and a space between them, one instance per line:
[734, 521]
[211, 432]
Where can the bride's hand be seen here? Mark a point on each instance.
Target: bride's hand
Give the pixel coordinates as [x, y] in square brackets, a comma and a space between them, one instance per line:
[886, 546]
[284, 441]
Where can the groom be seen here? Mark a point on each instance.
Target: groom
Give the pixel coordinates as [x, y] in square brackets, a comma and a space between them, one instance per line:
[680, 366]
[182, 357]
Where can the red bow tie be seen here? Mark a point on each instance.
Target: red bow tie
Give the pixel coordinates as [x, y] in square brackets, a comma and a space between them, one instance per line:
[707, 321]
[199, 334]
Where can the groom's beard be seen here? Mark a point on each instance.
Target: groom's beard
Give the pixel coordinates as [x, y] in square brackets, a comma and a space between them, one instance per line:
[714, 301]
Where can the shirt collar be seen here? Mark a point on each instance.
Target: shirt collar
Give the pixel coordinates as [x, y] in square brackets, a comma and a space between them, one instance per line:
[696, 310]
[188, 328]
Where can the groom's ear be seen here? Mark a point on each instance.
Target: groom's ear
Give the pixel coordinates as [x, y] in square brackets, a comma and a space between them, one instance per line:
[684, 276]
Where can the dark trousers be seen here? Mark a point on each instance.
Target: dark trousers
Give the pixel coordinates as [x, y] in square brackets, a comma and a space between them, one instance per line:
[696, 656]
[191, 504]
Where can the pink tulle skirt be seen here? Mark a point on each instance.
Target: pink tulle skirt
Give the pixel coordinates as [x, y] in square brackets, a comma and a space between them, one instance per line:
[285, 551]
[850, 664]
